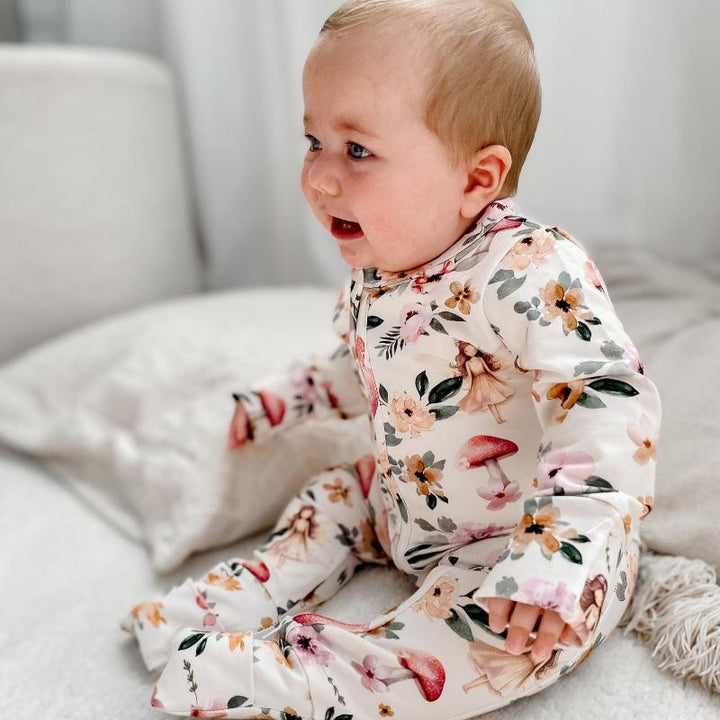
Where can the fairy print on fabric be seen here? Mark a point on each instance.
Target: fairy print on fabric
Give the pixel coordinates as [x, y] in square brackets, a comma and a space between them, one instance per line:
[514, 440]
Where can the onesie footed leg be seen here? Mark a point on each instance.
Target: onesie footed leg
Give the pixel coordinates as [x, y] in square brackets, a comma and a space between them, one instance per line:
[323, 534]
[233, 675]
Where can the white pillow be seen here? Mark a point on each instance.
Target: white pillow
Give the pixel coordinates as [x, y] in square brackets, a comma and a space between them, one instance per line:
[133, 412]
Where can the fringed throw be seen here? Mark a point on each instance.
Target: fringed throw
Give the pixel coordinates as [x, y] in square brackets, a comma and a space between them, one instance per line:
[675, 608]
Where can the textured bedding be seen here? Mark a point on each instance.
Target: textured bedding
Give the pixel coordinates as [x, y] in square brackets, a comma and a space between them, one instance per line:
[68, 576]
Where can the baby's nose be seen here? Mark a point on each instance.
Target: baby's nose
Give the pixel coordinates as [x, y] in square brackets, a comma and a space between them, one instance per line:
[323, 178]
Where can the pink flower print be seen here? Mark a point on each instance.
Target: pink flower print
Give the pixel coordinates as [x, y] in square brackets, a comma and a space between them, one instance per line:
[423, 279]
[568, 469]
[644, 435]
[499, 495]
[305, 387]
[547, 595]
[592, 277]
[633, 357]
[372, 675]
[414, 319]
[531, 249]
[309, 644]
[469, 531]
[506, 223]
[213, 710]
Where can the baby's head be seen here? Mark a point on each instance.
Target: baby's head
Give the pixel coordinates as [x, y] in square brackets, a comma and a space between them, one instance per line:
[419, 114]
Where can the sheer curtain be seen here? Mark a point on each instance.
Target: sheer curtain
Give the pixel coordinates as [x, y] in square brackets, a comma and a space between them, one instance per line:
[626, 151]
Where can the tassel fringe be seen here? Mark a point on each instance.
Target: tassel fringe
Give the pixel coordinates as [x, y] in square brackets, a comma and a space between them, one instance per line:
[675, 608]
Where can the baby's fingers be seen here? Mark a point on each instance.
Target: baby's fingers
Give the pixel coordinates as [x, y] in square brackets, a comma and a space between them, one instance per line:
[551, 627]
[499, 610]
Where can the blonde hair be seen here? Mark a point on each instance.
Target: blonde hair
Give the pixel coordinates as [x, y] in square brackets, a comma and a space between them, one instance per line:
[483, 86]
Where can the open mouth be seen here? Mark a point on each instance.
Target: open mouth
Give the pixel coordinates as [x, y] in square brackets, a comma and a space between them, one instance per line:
[345, 229]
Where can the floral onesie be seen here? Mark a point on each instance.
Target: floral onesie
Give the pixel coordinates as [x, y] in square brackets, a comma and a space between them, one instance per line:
[514, 436]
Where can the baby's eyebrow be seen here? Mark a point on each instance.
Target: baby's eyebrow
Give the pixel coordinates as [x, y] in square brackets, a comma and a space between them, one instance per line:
[343, 123]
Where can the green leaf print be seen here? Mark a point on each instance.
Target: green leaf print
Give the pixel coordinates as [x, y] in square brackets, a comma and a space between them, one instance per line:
[506, 587]
[236, 701]
[571, 553]
[583, 331]
[443, 412]
[437, 326]
[190, 640]
[445, 389]
[510, 286]
[613, 387]
[390, 343]
[422, 383]
[201, 646]
[610, 349]
[565, 280]
[383, 393]
[447, 315]
[621, 587]
[501, 275]
[587, 368]
[424, 524]
[598, 482]
[402, 508]
[590, 401]
[374, 321]
[459, 626]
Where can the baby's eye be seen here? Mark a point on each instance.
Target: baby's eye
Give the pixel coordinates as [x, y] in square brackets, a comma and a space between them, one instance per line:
[313, 140]
[356, 151]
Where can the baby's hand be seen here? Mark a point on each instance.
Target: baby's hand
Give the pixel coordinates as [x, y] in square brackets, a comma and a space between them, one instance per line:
[522, 621]
[239, 430]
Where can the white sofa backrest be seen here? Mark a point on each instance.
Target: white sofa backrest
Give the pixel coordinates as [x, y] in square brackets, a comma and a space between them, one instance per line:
[95, 215]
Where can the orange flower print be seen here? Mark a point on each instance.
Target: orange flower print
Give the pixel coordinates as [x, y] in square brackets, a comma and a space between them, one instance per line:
[532, 249]
[437, 601]
[565, 304]
[568, 393]
[425, 478]
[149, 611]
[643, 434]
[627, 524]
[279, 656]
[647, 501]
[385, 710]
[462, 296]
[541, 528]
[237, 640]
[410, 416]
[226, 581]
[338, 492]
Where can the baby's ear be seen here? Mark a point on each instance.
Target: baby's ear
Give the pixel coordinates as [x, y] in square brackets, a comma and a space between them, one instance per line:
[487, 171]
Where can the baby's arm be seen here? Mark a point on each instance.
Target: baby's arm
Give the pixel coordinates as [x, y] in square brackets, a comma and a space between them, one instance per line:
[600, 417]
[325, 386]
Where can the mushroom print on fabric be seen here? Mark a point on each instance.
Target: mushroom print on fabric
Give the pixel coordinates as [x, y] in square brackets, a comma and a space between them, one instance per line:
[514, 440]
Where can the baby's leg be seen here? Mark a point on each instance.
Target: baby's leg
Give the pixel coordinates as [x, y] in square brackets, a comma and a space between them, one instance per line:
[323, 534]
[431, 658]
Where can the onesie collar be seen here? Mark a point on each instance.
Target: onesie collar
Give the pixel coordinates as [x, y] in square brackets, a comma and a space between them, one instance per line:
[478, 235]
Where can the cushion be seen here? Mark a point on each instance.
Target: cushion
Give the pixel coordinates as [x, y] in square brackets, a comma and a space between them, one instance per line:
[94, 215]
[133, 413]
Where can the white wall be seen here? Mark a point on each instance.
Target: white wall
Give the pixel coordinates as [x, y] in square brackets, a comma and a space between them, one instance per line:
[626, 151]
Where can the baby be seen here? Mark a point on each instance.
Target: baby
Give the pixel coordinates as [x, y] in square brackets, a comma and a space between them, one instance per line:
[514, 432]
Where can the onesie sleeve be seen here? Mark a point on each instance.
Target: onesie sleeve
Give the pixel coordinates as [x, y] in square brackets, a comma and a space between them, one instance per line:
[600, 419]
[325, 386]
